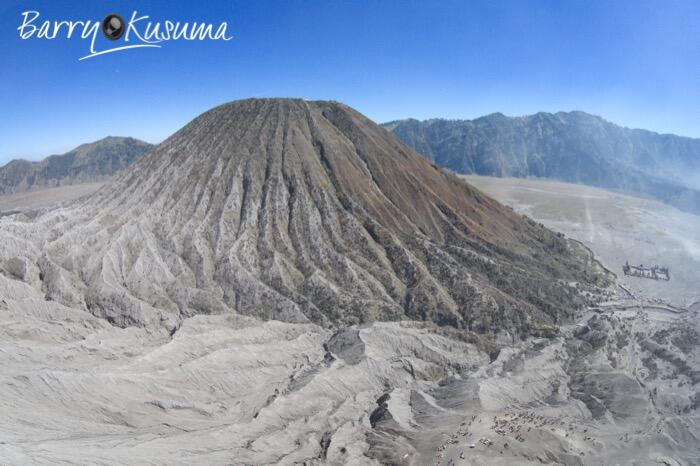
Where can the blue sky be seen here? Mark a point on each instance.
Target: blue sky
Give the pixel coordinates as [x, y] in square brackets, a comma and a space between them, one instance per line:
[637, 63]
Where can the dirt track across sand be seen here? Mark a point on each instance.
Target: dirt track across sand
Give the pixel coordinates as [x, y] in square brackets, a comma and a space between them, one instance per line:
[616, 227]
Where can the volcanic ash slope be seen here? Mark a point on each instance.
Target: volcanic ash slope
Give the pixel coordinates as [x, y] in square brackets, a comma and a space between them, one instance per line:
[301, 212]
[230, 389]
[196, 311]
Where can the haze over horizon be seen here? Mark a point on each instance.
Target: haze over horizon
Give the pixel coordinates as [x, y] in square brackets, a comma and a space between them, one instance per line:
[68, 148]
[633, 63]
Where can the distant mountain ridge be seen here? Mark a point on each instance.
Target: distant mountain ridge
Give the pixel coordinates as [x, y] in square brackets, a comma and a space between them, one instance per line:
[568, 146]
[89, 162]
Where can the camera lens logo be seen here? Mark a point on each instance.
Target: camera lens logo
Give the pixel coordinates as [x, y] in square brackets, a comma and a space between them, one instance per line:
[113, 26]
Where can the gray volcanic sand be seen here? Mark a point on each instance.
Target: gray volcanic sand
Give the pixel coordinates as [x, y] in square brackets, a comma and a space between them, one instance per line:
[224, 389]
[617, 387]
[616, 227]
[48, 197]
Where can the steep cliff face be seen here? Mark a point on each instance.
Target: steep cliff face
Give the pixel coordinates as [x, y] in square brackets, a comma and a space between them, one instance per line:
[95, 161]
[304, 211]
[575, 147]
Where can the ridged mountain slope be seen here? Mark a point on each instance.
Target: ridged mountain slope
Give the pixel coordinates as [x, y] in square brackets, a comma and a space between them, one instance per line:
[294, 210]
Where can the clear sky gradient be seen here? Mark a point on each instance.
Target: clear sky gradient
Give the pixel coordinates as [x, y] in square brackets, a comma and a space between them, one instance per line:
[636, 63]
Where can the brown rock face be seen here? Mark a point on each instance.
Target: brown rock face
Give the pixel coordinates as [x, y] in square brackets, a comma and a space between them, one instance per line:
[295, 210]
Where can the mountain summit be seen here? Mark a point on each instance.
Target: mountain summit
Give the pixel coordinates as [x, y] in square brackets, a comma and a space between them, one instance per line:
[307, 211]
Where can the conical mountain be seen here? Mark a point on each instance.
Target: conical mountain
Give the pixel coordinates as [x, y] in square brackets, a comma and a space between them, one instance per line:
[297, 210]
